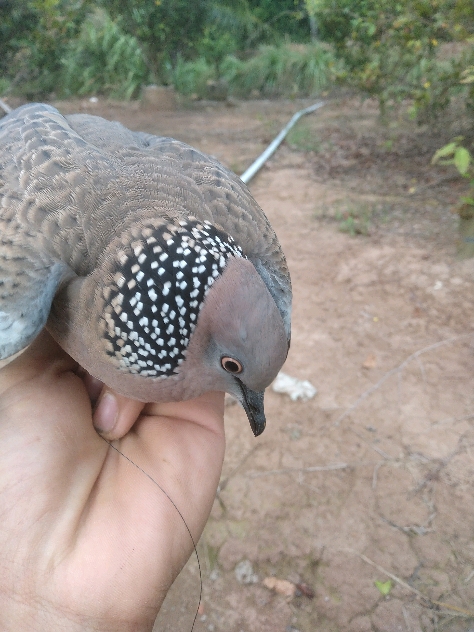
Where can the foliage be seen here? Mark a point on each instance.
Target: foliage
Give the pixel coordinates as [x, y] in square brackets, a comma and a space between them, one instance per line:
[454, 153]
[241, 25]
[355, 220]
[303, 138]
[39, 39]
[384, 587]
[286, 70]
[33, 38]
[216, 44]
[393, 51]
[191, 78]
[103, 60]
[186, 29]
[166, 29]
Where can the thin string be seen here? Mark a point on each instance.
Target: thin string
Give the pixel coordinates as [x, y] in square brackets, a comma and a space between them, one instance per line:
[180, 515]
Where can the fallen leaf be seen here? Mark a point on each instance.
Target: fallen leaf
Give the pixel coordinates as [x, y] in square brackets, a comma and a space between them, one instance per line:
[384, 587]
[370, 362]
[305, 590]
[280, 586]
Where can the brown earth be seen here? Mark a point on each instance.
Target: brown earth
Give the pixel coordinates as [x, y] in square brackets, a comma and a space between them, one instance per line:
[372, 479]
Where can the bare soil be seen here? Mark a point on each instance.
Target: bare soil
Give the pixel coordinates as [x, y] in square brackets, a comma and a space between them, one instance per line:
[371, 480]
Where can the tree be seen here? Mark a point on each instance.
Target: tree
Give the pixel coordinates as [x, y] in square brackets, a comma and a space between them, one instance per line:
[391, 49]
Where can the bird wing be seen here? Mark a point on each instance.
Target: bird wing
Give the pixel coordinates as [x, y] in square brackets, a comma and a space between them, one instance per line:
[29, 273]
[212, 192]
[69, 186]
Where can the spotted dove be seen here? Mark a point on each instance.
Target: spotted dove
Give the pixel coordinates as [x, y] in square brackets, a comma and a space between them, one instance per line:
[149, 262]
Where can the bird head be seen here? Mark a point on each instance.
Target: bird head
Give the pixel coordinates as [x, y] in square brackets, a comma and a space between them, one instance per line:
[182, 312]
[240, 343]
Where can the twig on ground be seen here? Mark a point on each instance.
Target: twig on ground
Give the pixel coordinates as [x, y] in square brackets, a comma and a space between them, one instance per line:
[315, 468]
[440, 604]
[374, 475]
[436, 183]
[407, 619]
[371, 445]
[453, 420]
[422, 368]
[412, 529]
[434, 473]
[400, 367]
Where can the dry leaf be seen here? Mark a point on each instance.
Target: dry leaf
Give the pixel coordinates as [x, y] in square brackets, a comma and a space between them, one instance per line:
[370, 362]
[280, 586]
[305, 590]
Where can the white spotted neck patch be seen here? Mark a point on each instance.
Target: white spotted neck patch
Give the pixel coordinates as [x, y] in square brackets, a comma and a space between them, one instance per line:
[154, 303]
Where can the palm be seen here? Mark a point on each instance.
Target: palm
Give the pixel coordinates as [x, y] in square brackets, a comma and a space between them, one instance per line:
[84, 534]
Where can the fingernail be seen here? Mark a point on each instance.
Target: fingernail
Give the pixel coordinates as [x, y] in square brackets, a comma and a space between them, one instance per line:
[106, 413]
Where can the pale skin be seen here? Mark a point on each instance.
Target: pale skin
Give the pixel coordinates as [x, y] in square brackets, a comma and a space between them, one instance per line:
[87, 541]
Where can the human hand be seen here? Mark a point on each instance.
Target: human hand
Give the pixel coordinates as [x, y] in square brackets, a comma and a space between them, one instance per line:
[87, 541]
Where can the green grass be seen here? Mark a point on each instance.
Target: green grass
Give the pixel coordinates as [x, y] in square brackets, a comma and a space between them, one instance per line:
[104, 60]
[355, 220]
[4, 85]
[289, 70]
[303, 138]
[191, 78]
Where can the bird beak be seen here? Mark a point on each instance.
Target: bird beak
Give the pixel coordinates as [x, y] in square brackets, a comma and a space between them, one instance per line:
[252, 401]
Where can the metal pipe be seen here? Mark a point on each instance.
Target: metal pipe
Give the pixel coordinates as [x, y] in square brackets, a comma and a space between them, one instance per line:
[5, 107]
[257, 164]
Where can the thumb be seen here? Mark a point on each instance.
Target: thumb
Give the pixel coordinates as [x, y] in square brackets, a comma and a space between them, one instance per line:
[115, 414]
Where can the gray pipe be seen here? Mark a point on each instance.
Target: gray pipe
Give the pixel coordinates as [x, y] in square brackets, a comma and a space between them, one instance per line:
[255, 166]
[5, 107]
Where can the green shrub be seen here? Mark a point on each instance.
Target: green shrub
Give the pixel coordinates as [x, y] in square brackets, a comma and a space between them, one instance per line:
[302, 137]
[103, 60]
[456, 154]
[33, 37]
[391, 50]
[286, 70]
[191, 77]
[4, 85]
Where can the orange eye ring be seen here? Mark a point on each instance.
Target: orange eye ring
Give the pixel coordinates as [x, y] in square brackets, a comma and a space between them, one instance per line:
[231, 365]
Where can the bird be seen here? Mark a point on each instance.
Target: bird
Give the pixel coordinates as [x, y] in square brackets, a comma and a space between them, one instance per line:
[149, 262]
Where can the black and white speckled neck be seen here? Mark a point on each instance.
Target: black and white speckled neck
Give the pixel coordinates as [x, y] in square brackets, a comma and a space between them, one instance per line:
[154, 304]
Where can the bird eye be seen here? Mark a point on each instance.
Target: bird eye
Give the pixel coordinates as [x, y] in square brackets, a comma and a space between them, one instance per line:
[230, 365]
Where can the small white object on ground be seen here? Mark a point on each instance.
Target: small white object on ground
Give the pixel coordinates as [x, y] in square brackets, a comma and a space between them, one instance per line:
[296, 389]
[244, 573]
[280, 586]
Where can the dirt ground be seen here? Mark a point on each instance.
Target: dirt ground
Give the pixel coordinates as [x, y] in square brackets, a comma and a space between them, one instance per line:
[370, 481]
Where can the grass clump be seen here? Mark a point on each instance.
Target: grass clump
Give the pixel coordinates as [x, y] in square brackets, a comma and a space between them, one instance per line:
[288, 70]
[103, 59]
[191, 78]
[303, 138]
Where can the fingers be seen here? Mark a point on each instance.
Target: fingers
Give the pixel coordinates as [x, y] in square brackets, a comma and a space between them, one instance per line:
[180, 445]
[206, 411]
[115, 414]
